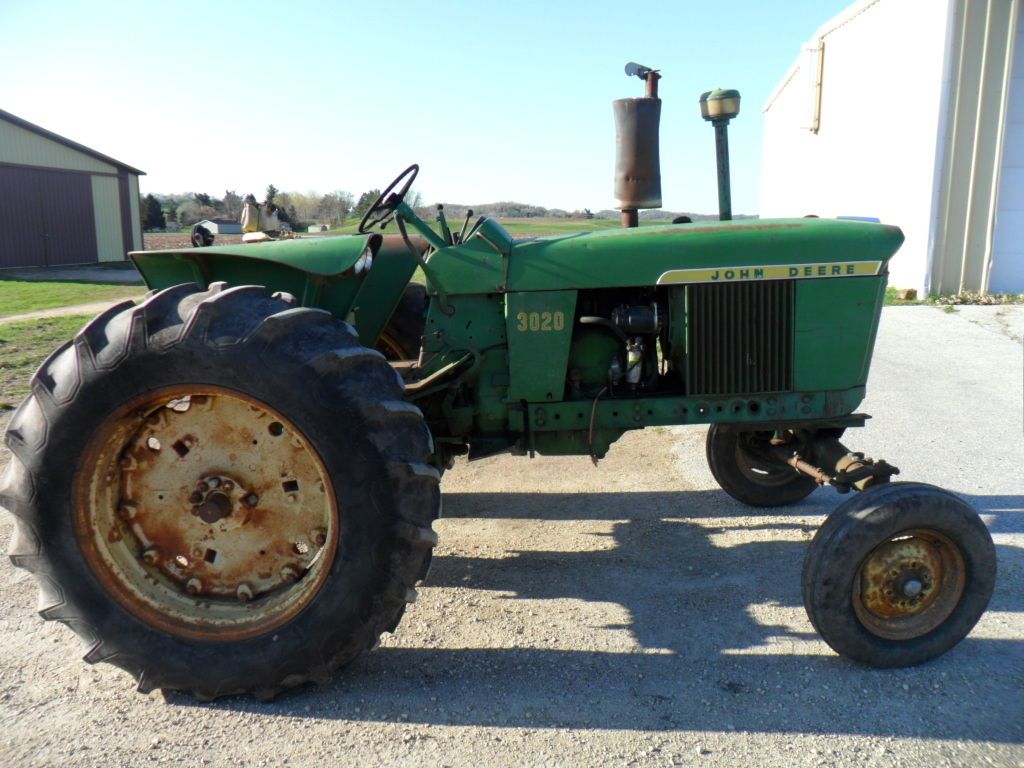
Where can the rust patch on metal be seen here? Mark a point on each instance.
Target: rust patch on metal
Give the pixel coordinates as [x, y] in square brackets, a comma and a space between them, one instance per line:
[216, 521]
[909, 585]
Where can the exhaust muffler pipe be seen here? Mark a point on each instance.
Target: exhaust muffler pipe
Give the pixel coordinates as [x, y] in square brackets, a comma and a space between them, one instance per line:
[637, 160]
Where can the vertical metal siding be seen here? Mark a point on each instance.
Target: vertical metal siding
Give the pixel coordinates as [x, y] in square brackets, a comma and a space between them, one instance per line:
[23, 147]
[22, 229]
[136, 211]
[68, 216]
[106, 206]
[124, 194]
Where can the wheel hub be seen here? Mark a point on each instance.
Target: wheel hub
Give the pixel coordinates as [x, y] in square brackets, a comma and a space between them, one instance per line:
[225, 525]
[909, 584]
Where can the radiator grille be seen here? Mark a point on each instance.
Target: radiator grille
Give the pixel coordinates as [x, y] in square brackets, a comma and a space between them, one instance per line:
[740, 337]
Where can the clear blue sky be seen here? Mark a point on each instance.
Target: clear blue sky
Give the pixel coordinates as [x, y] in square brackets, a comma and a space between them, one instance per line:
[496, 101]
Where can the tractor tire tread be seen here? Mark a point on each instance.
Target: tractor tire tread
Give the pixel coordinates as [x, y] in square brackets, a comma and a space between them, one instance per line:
[250, 320]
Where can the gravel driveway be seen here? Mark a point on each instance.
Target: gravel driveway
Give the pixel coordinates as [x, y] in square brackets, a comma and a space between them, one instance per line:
[630, 614]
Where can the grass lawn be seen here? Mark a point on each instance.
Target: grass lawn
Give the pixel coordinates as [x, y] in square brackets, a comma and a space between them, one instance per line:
[24, 344]
[20, 296]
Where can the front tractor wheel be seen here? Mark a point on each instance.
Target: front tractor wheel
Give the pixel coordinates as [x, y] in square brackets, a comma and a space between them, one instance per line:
[736, 459]
[898, 574]
[219, 492]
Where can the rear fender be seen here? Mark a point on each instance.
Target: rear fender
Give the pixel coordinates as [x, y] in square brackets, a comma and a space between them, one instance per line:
[321, 272]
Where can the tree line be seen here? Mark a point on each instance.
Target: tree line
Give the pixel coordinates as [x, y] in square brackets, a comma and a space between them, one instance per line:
[180, 211]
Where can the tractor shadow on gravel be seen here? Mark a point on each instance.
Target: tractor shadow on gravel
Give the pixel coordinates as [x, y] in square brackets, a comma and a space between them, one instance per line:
[721, 639]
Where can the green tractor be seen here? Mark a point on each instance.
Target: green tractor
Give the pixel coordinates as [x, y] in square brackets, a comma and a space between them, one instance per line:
[226, 488]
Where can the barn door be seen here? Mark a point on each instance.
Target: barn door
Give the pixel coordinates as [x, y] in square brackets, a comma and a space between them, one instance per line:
[22, 232]
[46, 218]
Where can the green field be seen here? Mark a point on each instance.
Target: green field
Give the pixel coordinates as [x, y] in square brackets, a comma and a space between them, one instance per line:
[20, 296]
[24, 344]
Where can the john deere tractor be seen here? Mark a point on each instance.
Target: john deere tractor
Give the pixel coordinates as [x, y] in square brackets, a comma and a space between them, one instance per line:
[226, 488]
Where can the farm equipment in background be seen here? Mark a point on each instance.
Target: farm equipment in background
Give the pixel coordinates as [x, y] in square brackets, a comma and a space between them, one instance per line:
[225, 489]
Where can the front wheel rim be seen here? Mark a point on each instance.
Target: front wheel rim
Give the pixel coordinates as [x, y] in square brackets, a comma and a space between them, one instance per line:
[205, 513]
[909, 584]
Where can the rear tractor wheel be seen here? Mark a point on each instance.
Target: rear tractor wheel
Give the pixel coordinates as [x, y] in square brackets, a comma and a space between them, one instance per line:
[898, 574]
[736, 459]
[221, 493]
[403, 335]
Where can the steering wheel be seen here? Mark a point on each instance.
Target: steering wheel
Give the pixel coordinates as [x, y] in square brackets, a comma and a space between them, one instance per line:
[383, 207]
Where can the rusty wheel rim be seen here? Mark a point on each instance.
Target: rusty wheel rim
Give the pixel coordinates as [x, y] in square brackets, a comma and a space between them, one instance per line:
[205, 513]
[909, 585]
[390, 348]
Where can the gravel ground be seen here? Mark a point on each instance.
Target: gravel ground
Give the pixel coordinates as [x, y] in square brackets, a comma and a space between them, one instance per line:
[630, 614]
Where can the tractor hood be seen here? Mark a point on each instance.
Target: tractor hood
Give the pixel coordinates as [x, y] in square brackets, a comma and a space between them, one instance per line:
[703, 252]
[321, 256]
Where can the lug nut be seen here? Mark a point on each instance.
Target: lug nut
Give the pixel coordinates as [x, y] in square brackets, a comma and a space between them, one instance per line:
[228, 485]
[251, 500]
[150, 555]
[244, 592]
[202, 487]
[319, 536]
[289, 574]
[193, 586]
[213, 482]
[196, 497]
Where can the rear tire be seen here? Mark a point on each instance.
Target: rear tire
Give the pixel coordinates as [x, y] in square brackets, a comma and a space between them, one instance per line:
[898, 575]
[88, 510]
[749, 478]
[403, 335]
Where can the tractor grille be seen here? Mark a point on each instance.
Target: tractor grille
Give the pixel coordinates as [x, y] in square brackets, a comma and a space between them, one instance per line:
[740, 337]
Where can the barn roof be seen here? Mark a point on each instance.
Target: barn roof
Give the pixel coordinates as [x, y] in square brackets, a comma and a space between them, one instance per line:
[22, 123]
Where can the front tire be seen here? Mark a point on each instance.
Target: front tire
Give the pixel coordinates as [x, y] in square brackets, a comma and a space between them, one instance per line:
[898, 574]
[734, 461]
[219, 492]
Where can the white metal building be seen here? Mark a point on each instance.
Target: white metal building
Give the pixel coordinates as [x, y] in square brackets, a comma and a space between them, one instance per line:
[911, 111]
[61, 202]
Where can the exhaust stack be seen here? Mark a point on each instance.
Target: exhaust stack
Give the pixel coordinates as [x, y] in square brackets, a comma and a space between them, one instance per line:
[637, 161]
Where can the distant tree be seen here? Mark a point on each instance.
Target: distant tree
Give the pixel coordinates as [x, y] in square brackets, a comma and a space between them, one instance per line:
[365, 201]
[190, 212]
[334, 207]
[232, 205]
[270, 201]
[152, 213]
[203, 199]
[587, 213]
[306, 205]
